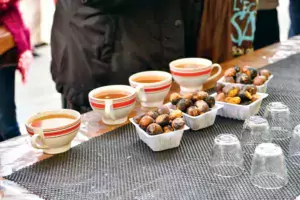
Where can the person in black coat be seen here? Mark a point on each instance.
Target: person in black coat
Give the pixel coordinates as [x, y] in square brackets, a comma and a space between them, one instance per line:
[102, 42]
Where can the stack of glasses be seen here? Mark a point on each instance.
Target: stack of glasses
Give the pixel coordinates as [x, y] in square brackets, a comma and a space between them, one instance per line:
[268, 168]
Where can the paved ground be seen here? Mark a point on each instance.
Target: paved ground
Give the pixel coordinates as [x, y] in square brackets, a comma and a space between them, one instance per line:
[40, 94]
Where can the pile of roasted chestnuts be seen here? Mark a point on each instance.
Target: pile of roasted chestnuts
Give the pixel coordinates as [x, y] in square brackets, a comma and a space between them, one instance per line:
[243, 95]
[246, 75]
[160, 121]
[193, 104]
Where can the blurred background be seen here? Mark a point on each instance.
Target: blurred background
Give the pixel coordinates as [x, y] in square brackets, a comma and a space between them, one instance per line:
[39, 93]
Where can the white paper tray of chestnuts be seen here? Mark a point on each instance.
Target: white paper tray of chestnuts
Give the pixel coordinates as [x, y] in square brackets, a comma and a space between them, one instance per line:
[246, 75]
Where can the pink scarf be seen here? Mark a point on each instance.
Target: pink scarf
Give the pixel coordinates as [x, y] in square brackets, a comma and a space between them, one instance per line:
[11, 18]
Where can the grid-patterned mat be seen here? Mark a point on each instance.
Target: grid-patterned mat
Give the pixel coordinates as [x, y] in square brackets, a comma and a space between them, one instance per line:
[118, 165]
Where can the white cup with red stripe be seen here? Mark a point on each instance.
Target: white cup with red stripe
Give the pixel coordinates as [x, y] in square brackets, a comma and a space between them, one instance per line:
[53, 131]
[152, 87]
[113, 102]
[192, 73]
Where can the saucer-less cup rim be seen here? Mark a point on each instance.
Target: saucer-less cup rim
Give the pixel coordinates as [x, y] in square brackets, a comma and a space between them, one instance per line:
[203, 61]
[108, 105]
[38, 115]
[167, 76]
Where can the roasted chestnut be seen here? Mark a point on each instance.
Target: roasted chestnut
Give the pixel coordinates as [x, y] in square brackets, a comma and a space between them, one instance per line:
[246, 71]
[230, 90]
[163, 110]
[243, 79]
[174, 98]
[230, 72]
[259, 80]
[138, 118]
[152, 114]
[265, 72]
[210, 101]
[255, 97]
[250, 88]
[145, 121]
[253, 72]
[175, 114]
[229, 79]
[245, 95]
[188, 96]
[220, 97]
[183, 104]
[178, 123]
[193, 111]
[168, 129]
[163, 120]
[199, 96]
[233, 100]
[202, 106]
[154, 129]
[237, 69]
[219, 87]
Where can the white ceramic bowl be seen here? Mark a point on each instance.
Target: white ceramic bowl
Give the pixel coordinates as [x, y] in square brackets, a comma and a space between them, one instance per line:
[192, 79]
[55, 140]
[240, 112]
[160, 142]
[152, 95]
[113, 111]
[260, 88]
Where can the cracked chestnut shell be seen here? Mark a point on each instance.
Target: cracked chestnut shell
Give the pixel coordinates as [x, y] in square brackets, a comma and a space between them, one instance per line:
[231, 90]
[154, 129]
[237, 69]
[199, 96]
[174, 98]
[245, 95]
[138, 118]
[178, 123]
[146, 121]
[230, 72]
[259, 80]
[183, 104]
[193, 111]
[210, 101]
[163, 110]
[250, 88]
[220, 97]
[168, 129]
[175, 114]
[163, 120]
[265, 72]
[152, 114]
[253, 72]
[219, 87]
[243, 79]
[202, 106]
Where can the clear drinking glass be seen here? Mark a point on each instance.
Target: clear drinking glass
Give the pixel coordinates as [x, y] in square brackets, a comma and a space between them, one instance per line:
[255, 131]
[278, 116]
[294, 148]
[227, 156]
[268, 169]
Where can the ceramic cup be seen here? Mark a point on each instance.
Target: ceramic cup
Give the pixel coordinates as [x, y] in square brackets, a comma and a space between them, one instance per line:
[57, 139]
[151, 94]
[192, 79]
[113, 111]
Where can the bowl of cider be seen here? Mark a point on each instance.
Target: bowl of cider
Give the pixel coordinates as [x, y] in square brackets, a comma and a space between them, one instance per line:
[53, 131]
[151, 87]
[114, 103]
[192, 73]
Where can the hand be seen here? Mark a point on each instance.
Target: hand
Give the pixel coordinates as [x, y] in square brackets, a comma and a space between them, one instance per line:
[24, 63]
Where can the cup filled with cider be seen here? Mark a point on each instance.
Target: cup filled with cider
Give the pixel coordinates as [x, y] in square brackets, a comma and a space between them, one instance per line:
[151, 87]
[113, 102]
[53, 131]
[192, 73]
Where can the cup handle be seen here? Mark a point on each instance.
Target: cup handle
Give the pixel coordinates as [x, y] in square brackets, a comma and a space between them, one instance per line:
[140, 91]
[109, 109]
[217, 74]
[37, 139]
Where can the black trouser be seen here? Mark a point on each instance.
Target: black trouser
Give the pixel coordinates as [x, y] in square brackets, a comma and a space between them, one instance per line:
[8, 122]
[267, 28]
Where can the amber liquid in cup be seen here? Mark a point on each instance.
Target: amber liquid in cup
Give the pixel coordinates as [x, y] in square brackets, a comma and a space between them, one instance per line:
[52, 121]
[111, 95]
[144, 79]
[190, 66]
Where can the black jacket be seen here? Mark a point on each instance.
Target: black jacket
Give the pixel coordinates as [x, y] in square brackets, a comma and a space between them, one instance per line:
[102, 42]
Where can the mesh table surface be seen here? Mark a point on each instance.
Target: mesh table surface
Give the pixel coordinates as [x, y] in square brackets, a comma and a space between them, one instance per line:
[118, 165]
